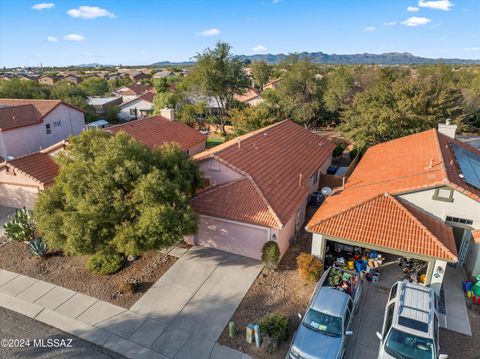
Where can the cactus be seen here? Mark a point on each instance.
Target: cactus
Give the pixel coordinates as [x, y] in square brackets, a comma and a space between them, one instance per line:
[38, 247]
[21, 227]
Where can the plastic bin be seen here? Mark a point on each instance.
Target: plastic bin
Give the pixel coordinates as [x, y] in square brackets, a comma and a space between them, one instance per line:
[361, 265]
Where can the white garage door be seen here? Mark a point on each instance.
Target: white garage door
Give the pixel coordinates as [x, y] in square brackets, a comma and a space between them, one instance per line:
[231, 237]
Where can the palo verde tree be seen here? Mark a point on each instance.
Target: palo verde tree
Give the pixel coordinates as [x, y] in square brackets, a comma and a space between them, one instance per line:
[115, 195]
[217, 73]
[261, 72]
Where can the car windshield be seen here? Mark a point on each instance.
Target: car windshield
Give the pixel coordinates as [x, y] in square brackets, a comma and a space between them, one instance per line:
[323, 323]
[402, 345]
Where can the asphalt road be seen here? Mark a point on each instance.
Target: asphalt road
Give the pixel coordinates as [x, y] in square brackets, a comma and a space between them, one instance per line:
[17, 326]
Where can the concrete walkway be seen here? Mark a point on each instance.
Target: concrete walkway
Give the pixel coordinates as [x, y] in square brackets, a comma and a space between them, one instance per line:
[180, 317]
[455, 305]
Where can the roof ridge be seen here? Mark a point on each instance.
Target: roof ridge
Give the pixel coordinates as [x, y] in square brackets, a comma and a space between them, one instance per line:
[404, 206]
[443, 167]
[137, 120]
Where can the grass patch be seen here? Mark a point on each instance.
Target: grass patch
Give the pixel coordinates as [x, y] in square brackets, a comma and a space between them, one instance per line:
[214, 141]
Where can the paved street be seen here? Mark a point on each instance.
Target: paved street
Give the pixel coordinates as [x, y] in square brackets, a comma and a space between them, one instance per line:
[17, 326]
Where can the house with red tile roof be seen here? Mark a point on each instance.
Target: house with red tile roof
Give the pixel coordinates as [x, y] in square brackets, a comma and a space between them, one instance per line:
[157, 130]
[417, 196]
[258, 188]
[22, 178]
[252, 97]
[27, 126]
[139, 107]
[129, 93]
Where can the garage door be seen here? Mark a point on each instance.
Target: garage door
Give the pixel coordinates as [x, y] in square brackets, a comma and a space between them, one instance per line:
[231, 237]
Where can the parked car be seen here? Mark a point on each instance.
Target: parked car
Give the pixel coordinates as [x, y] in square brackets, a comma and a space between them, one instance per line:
[324, 329]
[410, 327]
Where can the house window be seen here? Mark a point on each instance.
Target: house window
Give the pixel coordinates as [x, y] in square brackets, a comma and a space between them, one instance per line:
[459, 220]
[214, 165]
[57, 123]
[48, 128]
[443, 194]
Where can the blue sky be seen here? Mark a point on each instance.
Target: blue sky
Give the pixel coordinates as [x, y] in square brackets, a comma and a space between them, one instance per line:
[130, 32]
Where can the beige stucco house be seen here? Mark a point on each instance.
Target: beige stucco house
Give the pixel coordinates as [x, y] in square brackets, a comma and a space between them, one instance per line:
[416, 196]
[258, 188]
[27, 126]
[139, 107]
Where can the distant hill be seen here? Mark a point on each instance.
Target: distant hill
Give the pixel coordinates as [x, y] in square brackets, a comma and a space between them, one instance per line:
[389, 58]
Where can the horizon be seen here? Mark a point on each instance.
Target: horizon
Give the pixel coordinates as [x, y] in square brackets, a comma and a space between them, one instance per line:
[107, 32]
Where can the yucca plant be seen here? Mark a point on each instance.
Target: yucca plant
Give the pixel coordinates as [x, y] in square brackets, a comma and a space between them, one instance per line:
[38, 247]
[20, 227]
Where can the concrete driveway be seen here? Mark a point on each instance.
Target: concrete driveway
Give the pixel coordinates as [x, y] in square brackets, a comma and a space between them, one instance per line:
[191, 304]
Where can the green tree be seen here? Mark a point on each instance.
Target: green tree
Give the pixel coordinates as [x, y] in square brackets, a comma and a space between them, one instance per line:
[217, 73]
[115, 195]
[190, 113]
[261, 73]
[339, 90]
[251, 118]
[70, 93]
[116, 83]
[16, 88]
[94, 86]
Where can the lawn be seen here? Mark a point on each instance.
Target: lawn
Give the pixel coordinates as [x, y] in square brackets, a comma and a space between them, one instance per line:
[214, 140]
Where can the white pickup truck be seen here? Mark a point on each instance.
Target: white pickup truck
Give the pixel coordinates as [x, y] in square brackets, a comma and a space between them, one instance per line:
[322, 333]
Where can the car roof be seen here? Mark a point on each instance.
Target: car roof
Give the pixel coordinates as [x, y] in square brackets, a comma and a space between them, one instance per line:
[327, 301]
[415, 309]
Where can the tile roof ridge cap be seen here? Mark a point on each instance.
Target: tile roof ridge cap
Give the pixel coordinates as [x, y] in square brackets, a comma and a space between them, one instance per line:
[439, 146]
[404, 204]
[62, 143]
[349, 208]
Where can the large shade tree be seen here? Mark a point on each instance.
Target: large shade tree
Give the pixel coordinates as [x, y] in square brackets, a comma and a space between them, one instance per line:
[115, 195]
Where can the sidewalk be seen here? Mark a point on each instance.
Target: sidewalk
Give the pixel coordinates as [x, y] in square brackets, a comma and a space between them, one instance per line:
[180, 317]
[455, 306]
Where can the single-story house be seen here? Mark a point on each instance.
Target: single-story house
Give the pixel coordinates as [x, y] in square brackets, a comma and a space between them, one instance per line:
[97, 124]
[139, 107]
[129, 93]
[258, 188]
[48, 79]
[157, 130]
[417, 196]
[27, 126]
[22, 178]
[251, 97]
[100, 104]
[74, 79]
[162, 74]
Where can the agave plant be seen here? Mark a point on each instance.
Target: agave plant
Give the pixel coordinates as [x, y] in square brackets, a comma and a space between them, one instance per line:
[20, 227]
[38, 247]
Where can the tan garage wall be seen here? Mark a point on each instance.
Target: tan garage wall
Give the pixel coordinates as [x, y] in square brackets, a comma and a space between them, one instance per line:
[234, 237]
[17, 196]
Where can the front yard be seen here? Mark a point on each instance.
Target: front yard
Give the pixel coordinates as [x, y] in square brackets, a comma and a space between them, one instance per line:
[70, 272]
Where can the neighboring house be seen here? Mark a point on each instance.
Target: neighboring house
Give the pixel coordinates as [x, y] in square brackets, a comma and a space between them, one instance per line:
[137, 76]
[272, 84]
[260, 184]
[47, 80]
[27, 126]
[157, 130]
[129, 93]
[163, 74]
[472, 140]
[74, 79]
[404, 198]
[21, 179]
[97, 124]
[100, 104]
[139, 107]
[251, 97]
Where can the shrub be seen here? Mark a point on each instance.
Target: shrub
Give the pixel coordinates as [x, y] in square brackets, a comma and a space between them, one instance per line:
[274, 325]
[21, 227]
[105, 263]
[270, 254]
[38, 247]
[309, 267]
[338, 151]
[128, 287]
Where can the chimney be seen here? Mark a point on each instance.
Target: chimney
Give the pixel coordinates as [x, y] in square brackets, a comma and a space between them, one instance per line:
[168, 113]
[447, 128]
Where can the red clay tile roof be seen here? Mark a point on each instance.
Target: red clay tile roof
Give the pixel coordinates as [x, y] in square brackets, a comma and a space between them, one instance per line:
[220, 201]
[38, 166]
[384, 221]
[412, 163]
[247, 96]
[138, 89]
[279, 159]
[476, 236]
[156, 130]
[147, 96]
[16, 113]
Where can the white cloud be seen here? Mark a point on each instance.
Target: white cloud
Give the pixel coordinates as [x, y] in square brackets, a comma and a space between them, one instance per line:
[90, 12]
[370, 28]
[416, 21]
[74, 37]
[390, 23]
[210, 32]
[52, 39]
[43, 6]
[444, 5]
[413, 9]
[259, 48]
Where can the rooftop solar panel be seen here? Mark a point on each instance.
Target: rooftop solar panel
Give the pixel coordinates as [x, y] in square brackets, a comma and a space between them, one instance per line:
[469, 164]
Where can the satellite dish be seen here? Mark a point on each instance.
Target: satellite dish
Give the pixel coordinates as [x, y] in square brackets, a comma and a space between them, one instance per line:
[326, 191]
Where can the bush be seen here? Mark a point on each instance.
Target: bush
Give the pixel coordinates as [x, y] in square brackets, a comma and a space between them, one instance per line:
[38, 247]
[270, 254]
[21, 227]
[105, 263]
[309, 267]
[274, 325]
[338, 151]
[128, 287]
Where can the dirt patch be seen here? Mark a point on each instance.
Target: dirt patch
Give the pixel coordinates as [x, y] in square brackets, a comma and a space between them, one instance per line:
[70, 272]
[280, 291]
